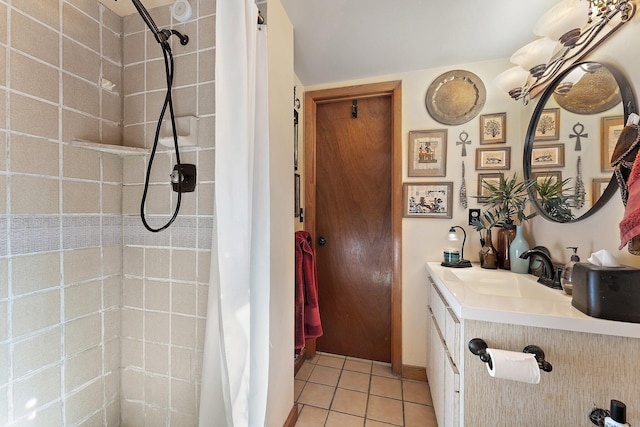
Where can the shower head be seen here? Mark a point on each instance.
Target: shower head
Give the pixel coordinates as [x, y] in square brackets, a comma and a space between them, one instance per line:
[161, 35]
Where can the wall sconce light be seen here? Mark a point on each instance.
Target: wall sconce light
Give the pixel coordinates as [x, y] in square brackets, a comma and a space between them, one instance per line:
[535, 55]
[450, 259]
[568, 32]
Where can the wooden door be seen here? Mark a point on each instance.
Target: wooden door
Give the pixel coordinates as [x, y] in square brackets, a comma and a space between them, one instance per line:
[353, 226]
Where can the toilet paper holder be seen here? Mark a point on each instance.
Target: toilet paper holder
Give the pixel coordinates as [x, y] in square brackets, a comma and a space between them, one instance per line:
[479, 347]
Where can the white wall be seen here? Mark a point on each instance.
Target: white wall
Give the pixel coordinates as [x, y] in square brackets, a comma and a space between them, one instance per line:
[281, 82]
[423, 239]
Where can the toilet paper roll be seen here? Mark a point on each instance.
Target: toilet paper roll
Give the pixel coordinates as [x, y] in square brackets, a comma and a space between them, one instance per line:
[512, 365]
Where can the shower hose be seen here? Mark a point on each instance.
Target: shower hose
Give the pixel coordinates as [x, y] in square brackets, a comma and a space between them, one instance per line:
[168, 102]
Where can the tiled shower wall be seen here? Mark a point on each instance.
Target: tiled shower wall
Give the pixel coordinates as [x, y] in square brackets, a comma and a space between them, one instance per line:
[67, 222]
[60, 214]
[166, 274]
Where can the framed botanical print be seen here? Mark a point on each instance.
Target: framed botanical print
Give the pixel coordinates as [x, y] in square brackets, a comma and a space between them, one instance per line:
[428, 153]
[548, 128]
[493, 128]
[428, 199]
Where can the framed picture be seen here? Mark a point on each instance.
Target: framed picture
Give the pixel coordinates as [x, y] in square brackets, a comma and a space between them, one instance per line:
[542, 176]
[296, 189]
[598, 185]
[548, 128]
[428, 153]
[610, 129]
[493, 128]
[547, 156]
[427, 199]
[295, 140]
[493, 158]
[490, 178]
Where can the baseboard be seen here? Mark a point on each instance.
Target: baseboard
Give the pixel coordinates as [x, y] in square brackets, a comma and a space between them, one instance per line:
[299, 361]
[417, 373]
[293, 417]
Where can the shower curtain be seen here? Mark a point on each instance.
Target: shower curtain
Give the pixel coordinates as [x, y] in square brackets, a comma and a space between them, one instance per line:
[236, 354]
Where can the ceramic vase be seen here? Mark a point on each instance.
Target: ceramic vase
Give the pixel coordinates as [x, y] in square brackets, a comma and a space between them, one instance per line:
[518, 246]
[505, 237]
[488, 257]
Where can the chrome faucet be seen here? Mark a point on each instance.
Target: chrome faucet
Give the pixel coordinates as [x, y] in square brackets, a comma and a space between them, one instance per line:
[550, 277]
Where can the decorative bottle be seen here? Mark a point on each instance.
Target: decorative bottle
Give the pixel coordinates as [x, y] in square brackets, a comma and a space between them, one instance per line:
[518, 246]
[505, 236]
[488, 258]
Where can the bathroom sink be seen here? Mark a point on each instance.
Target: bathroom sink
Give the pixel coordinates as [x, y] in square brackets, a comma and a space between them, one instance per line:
[500, 283]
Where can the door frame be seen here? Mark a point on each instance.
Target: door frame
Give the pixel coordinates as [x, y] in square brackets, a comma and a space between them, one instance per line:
[394, 90]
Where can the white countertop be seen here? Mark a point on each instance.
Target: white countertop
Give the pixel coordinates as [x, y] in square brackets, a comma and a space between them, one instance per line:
[505, 297]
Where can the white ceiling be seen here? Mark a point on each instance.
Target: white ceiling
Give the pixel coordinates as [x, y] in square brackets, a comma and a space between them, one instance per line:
[126, 7]
[340, 40]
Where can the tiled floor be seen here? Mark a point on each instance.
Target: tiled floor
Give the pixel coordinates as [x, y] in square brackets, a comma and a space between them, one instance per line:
[334, 391]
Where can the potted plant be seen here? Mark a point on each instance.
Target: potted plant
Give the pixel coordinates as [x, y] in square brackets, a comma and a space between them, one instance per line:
[553, 200]
[507, 200]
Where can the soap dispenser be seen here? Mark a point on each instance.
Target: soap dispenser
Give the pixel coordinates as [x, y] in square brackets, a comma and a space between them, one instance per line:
[567, 273]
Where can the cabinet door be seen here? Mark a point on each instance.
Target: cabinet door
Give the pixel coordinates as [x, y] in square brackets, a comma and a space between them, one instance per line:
[452, 335]
[437, 356]
[443, 337]
[438, 307]
[451, 394]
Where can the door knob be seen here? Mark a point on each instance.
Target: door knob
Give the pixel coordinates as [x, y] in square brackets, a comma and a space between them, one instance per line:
[322, 241]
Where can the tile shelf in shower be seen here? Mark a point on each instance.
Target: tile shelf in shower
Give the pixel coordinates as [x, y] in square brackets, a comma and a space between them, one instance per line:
[120, 150]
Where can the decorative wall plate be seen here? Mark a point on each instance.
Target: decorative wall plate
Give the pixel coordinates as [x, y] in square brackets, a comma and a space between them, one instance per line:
[594, 93]
[455, 97]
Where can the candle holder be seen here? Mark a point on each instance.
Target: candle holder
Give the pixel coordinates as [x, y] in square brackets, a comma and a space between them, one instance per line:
[451, 257]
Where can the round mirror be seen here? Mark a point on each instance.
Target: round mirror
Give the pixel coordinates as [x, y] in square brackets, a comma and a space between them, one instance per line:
[570, 139]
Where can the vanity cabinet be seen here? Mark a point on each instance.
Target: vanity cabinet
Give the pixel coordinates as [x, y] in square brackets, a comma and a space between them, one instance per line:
[594, 360]
[442, 359]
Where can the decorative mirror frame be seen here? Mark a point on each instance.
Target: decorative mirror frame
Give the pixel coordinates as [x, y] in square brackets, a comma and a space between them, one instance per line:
[629, 106]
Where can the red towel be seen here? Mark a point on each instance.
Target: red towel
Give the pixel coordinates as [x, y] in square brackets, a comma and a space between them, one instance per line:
[307, 312]
[630, 224]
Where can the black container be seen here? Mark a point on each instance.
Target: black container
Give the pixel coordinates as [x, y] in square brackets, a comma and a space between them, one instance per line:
[611, 293]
